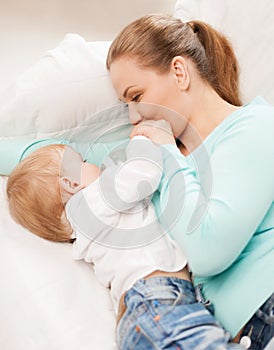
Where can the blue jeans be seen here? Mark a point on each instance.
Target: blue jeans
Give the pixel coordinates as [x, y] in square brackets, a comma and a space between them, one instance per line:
[162, 313]
[260, 328]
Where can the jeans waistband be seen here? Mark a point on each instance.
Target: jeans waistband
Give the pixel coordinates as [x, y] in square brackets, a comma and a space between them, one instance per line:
[159, 287]
[168, 289]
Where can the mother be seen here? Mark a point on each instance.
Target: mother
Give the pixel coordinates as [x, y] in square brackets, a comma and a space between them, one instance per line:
[191, 69]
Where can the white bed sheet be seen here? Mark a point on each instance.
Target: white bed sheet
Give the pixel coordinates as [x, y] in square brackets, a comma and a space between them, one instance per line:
[47, 300]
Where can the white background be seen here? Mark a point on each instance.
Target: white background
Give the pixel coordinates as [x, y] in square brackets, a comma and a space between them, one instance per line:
[30, 27]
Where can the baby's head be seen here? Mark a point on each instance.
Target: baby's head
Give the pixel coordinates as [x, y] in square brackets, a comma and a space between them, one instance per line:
[39, 187]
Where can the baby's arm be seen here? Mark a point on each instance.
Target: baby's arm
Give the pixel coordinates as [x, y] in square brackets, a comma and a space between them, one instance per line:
[135, 179]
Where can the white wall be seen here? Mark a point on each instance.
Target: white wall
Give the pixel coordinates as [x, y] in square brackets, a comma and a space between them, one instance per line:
[30, 27]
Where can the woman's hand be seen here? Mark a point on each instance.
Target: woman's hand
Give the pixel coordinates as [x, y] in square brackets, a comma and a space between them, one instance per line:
[158, 131]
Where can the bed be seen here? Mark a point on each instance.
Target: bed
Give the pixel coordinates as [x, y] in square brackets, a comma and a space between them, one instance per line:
[48, 301]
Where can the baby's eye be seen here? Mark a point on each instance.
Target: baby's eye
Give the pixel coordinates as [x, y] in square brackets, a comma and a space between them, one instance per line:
[136, 98]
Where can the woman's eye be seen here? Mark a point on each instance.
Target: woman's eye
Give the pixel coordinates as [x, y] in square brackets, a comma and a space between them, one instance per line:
[136, 98]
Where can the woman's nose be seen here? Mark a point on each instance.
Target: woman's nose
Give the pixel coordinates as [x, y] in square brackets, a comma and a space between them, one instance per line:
[134, 116]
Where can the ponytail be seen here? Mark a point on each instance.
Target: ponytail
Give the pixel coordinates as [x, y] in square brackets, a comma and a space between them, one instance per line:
[223, 69]
[154, 40]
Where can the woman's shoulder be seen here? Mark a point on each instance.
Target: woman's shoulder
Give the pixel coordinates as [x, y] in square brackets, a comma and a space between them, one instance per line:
[256, 108]
[253, 121]
[254, 116]
[257, 116]
[258, 104]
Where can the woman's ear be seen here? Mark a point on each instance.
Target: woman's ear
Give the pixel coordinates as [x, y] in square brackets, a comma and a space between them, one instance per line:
[180, 68]
[69, 186]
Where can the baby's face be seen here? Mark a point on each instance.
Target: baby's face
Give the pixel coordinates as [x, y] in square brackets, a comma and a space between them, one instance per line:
[73, 167]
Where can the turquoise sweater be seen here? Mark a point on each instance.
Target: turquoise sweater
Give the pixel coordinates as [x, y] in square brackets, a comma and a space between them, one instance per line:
[228, 183]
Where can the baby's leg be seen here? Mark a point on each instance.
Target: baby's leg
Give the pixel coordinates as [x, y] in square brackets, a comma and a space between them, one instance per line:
[162, 313]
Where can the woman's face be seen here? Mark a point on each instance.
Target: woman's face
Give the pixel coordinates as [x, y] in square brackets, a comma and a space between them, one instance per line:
[153, 95]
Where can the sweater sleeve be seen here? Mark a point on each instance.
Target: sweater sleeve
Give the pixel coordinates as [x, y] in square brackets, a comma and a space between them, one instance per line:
[12, 152]
[126, 184]
[213, 227]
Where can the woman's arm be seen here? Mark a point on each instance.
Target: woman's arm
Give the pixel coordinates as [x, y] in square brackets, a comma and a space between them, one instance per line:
[213, 230]
[12, 152]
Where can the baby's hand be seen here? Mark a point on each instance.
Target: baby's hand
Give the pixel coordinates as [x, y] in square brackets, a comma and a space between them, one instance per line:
[158, 131]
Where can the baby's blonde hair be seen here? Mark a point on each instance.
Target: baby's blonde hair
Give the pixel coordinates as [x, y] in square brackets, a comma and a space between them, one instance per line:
[35, 197]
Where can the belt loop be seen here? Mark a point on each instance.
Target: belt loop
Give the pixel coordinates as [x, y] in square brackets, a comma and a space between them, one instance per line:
[199, 296]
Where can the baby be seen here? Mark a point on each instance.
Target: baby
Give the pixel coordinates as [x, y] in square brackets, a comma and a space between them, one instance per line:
[112, 223]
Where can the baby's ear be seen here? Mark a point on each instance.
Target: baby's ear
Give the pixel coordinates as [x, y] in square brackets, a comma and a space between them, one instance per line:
[69, 186]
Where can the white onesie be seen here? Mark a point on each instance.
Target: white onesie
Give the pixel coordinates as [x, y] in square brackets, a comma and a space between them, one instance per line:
[115, 224]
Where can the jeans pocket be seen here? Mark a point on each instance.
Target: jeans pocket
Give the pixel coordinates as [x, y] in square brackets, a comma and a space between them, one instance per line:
[156, 304]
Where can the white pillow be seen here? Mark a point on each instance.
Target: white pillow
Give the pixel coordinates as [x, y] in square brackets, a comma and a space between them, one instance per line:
[68, 85]
[249, 25]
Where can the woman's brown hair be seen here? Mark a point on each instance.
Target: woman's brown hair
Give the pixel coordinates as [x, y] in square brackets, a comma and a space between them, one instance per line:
[34, 194]
[153, 40]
